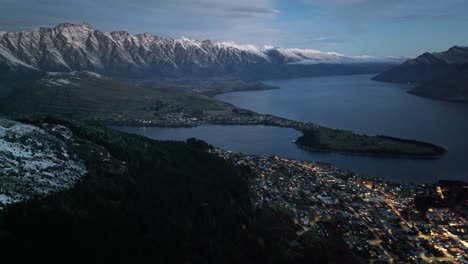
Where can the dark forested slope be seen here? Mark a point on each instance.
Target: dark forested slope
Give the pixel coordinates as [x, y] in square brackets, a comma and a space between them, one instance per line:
[174, 202]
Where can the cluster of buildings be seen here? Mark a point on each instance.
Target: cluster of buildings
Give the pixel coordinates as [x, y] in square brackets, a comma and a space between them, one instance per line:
[376, 219]
[244, 117]
[177, 119]
[184, 119]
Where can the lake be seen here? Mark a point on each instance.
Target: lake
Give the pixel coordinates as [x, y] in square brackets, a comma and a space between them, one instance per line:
[347, 102]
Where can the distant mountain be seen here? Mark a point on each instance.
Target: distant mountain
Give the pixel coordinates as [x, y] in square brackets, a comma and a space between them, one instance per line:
[71, 47]
[441, 75]
[452, 87]
[427, 67]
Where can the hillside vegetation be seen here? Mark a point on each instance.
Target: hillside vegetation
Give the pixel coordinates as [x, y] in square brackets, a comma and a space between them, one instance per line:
[210, 87]
[346, 141]
[175, 202]
[85, 95]
[451, 87]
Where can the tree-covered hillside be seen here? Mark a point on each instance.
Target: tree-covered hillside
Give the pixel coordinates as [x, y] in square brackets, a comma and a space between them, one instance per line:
[174, 203]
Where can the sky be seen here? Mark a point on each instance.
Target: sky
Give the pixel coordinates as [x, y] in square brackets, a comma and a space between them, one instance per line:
[351, 27]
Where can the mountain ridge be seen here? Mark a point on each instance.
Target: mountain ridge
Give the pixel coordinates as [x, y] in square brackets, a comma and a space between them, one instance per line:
[73, 47]
[450, 87]
[426, 67]
[440, 75]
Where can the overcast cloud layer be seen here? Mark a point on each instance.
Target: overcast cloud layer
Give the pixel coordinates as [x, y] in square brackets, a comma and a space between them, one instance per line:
[354, 27]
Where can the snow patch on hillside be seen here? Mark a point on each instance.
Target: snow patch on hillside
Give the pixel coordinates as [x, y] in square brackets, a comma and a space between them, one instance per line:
[259, 51]
[12, 60]
[76, 74]
[34, 162]
[69, 78]
[58, 82]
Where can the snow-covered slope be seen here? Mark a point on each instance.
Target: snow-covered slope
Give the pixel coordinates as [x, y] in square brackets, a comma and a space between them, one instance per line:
[71, 47]
[35, 162]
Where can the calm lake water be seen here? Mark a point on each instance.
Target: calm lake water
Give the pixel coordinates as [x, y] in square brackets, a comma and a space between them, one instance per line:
[347, 102]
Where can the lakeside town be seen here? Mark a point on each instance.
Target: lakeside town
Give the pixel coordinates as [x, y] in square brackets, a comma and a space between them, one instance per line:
[184, 119]
[379, 221]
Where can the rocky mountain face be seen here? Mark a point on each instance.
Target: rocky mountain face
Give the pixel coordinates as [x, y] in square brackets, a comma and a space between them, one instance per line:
[70, 47]
[427, 67]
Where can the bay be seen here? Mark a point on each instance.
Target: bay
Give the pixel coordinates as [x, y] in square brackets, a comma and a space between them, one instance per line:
[354, 103]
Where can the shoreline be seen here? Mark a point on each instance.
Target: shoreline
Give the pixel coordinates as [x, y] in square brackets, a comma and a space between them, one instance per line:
[377, 155]
[273, 121]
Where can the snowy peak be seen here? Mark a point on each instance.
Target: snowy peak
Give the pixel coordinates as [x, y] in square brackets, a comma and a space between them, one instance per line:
[259, 51]
[78, 47]
[84, 26]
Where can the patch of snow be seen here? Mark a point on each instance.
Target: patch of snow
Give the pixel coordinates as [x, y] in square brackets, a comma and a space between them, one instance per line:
[74, 74]
[63, 81]
[34, 162]
[12, 59]
[6, 199]
[58, 82]
[62, 131]
[245, 47]
[189, 42]
[54, 73]
[93, 74]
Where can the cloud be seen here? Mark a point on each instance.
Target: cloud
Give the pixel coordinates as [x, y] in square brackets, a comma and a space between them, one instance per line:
[358, 15]
[246, 20]
[394, 9]
[210, 7]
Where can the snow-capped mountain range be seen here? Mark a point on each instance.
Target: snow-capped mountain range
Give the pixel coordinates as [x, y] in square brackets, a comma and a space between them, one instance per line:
[72, 47]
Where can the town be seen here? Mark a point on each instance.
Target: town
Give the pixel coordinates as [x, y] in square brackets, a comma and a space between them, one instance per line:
[377, 219]
[185, 119]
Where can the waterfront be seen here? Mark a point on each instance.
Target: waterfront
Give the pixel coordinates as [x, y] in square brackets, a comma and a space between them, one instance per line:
[378, 221]
[346, 102]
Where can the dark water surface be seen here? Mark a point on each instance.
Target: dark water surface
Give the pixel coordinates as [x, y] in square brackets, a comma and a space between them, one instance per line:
[346, 102]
